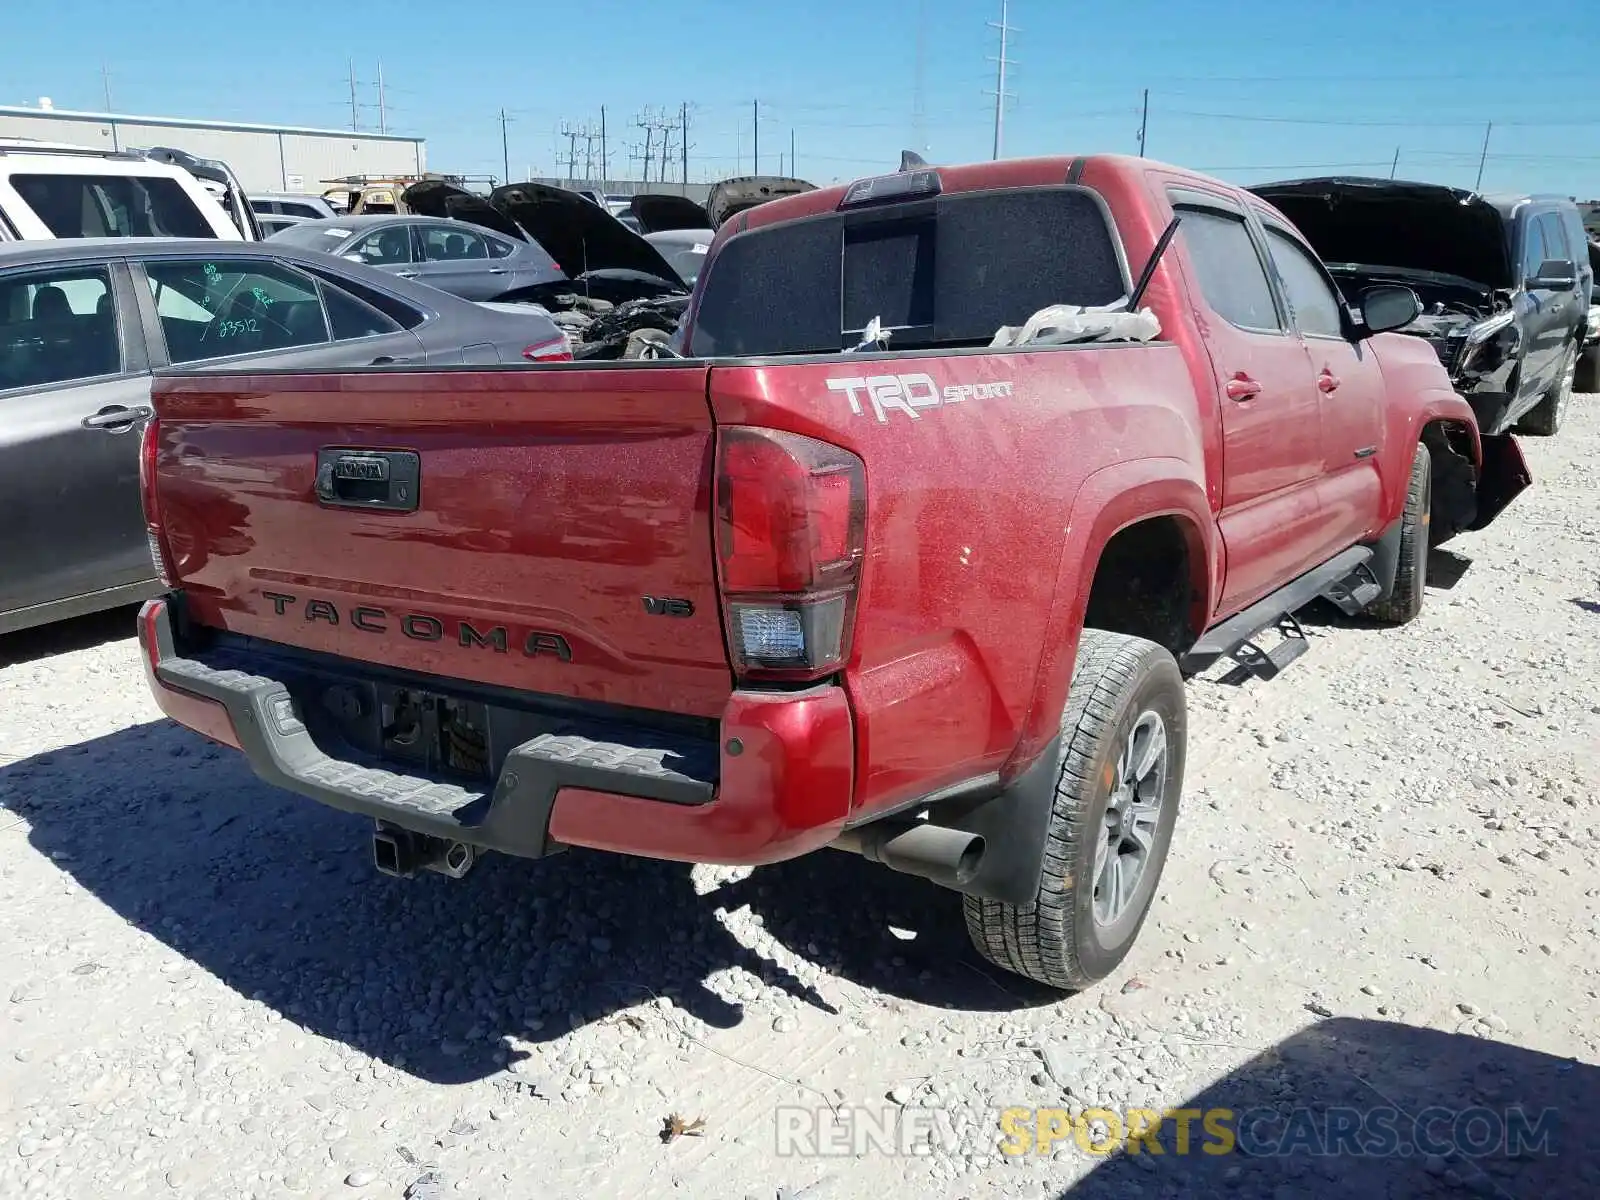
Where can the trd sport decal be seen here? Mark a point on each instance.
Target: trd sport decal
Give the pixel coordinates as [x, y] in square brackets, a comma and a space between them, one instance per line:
[909, 393]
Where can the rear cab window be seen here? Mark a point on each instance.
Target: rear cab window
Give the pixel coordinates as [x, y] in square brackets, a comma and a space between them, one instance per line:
[92, 206]
[944, 272]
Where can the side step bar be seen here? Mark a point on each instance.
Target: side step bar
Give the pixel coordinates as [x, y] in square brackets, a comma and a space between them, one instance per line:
[1346, 579]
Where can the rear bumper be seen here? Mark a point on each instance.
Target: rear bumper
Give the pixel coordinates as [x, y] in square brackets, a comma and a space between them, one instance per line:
[775, 783]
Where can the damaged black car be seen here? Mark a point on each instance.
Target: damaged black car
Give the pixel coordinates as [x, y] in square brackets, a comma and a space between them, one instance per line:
[1505, 281]
[625, 291]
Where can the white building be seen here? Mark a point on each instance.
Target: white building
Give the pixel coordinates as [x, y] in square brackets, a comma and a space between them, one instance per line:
[266, 158]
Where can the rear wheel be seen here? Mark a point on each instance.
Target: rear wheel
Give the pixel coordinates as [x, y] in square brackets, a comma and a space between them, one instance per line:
[1544, 419]
[1115, 805]
[1404, 600]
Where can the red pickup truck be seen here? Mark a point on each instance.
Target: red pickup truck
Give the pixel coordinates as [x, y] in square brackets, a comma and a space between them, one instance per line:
[845, 572]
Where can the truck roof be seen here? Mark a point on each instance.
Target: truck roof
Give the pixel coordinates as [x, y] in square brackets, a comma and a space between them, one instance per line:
[1015, 172]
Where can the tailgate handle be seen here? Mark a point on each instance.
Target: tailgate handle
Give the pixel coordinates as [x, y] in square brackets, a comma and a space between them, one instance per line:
[350, 477]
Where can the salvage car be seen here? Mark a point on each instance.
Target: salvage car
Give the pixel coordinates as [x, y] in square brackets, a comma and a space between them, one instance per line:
[451, 255]
[829, 579]
[54, 190]
[1505, 281]
[84, 323]
[620, 293]
[292, 204]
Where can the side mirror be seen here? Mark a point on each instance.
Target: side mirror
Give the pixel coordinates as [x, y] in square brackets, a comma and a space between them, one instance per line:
[1554, 275]
[353, 258]
[1389, 306]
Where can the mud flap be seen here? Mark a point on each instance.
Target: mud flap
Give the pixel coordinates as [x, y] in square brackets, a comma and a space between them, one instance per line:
[1504, 477]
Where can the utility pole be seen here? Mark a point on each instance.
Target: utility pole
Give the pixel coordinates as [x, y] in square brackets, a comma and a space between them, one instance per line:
[683, 146]
[755, 152]
[605, 155]
[1144, 121]
[355, 108]
[1484, 157]
[505, 146]
[1395, 166]
[383, 116]
[645, 124]
[1001, 63]
[105, 78]
[919, 87]
[792, 170]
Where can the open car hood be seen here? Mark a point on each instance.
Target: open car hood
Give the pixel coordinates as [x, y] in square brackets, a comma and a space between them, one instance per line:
[659, 212]
[579, 234]
[436, 198]
[734, 196]
[1382, 222]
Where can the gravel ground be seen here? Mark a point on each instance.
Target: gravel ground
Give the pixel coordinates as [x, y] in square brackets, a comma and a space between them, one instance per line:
[1383, 893]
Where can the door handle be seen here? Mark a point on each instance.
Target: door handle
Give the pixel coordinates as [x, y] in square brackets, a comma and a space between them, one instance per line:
[1328, 381]
[406, 274]
[497, 270]
[1242, 387]
[118, 418]
[384, 360]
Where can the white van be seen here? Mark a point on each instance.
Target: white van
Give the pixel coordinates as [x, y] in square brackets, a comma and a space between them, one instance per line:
[50, 190]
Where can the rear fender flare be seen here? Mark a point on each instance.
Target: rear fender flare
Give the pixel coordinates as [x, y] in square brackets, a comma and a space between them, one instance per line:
[1107, 502]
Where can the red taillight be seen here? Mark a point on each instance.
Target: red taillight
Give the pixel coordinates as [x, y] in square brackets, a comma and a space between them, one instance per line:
[791, 526]
[149, 441]
[557, 349]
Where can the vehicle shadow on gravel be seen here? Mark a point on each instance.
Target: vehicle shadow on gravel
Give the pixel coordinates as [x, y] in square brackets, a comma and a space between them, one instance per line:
[62, 637]
[277, 897]
[1379, 1110]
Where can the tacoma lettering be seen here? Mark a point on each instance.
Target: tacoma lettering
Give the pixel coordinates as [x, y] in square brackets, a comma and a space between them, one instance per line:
[420, 627]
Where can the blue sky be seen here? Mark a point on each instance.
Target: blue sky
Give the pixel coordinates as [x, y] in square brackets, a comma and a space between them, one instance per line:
[1245, 89]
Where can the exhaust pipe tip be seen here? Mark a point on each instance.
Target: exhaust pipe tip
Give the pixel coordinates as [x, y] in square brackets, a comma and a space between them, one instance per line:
[946, 856]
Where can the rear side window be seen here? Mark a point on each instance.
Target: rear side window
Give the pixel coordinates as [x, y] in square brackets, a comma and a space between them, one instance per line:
[290, 209]
[398, 311]
[349, 318]
[1315, 304]
[87, 206]
[1231, 276]
[57, 326]
[949, 273]
[215, 308]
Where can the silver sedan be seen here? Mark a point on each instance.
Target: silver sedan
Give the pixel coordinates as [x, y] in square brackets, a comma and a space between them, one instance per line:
[453, 256]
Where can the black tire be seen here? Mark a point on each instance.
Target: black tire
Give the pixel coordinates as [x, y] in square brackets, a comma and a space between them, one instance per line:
[1058, 938]
[1404, 600]
[1587, 378]
[1544, 418]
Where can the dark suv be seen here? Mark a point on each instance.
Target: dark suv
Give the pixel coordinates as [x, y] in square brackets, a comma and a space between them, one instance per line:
[1505, 281]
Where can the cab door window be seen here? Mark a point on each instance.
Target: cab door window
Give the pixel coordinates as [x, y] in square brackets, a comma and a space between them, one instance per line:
[57, 326]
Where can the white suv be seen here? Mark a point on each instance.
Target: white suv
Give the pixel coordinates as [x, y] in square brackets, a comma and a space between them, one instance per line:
[49, 190]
